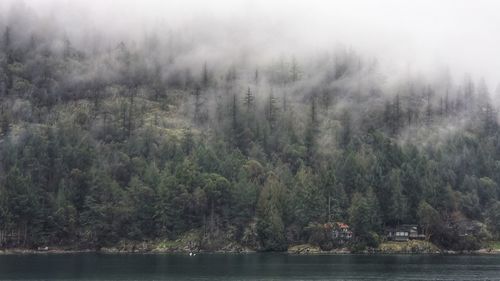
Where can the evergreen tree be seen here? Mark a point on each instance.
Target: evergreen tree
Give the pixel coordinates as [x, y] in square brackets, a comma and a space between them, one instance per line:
[363, 216]
[249, 100]
[312, 134]
[429, 218]
[270, 226]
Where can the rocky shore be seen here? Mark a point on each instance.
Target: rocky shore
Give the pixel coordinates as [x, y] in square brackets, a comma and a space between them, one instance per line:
[188, 246]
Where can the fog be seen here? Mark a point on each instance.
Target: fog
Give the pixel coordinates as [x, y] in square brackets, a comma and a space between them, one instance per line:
[247, 125]
[419, 37]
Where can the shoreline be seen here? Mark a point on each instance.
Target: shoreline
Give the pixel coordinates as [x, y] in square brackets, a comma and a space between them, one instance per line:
[187, 245]
[57, 251]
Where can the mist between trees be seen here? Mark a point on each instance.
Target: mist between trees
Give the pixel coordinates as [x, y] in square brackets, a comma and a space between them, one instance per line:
[107, 140]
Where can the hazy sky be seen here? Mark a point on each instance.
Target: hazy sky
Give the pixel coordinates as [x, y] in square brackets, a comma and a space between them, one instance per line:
[422, 36]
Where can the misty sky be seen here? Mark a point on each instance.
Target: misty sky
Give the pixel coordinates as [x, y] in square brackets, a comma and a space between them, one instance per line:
[420, 36]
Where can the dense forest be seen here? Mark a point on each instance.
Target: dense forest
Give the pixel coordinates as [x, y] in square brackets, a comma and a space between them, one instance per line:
[140, 140]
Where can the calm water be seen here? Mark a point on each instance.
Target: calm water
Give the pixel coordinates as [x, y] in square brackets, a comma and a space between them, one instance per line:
[247, 267]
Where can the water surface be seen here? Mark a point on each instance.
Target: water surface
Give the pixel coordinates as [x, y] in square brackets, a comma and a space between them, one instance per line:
[91, 266]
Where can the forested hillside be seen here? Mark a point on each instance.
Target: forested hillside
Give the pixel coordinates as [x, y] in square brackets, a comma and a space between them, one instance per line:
[142, 140]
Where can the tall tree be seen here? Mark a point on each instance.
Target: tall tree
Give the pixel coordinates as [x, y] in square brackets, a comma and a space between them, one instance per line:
[363, 216]
[249, 100]
[311, 136]
[270, 226]
[429, 218]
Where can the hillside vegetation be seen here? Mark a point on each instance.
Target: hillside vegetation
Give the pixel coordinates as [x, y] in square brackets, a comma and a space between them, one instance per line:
[133, 141]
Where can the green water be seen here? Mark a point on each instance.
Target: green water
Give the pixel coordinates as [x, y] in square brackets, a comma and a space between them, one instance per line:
[247, 267]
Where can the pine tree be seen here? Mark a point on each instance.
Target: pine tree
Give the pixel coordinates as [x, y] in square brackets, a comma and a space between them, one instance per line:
[363, 216]
[249, 100]
[205, 76]
[346, 130]
[270, 226]
[396, 116]
[7, 50]
[428, 110]
[308, 200]
[198, 117]
[272, 111]
[312, 133]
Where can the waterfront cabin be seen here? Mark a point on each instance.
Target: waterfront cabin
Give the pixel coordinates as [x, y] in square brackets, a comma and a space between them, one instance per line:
[403, 233]
[9, 237]
[342, 231]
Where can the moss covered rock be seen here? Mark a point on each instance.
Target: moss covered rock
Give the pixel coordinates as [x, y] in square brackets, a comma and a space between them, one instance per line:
[408, 247]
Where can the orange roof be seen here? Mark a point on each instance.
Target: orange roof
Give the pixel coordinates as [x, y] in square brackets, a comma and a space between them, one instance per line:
[342, 225]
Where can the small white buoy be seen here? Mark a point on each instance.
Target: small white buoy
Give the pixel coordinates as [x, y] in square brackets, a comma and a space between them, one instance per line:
[190, 253]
